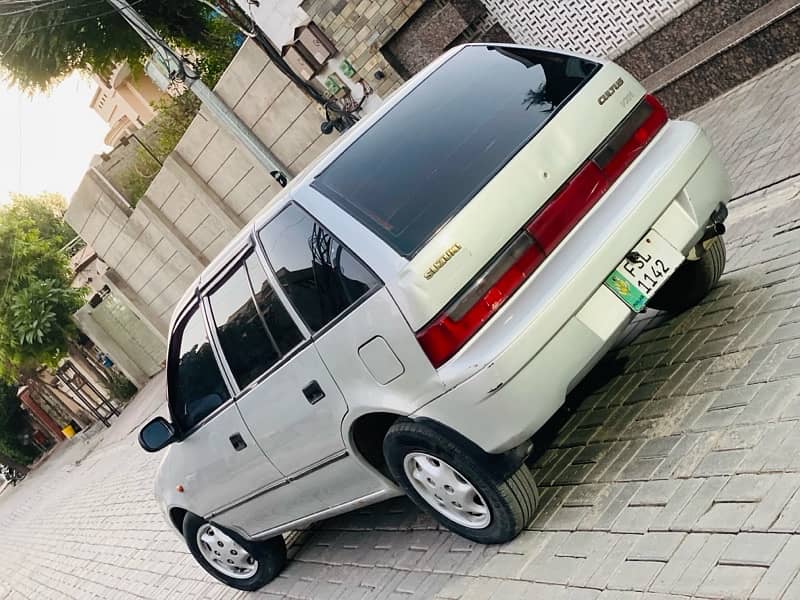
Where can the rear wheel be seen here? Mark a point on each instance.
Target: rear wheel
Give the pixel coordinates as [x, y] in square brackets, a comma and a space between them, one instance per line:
[693, 280]
[447, 480]
[237, 562]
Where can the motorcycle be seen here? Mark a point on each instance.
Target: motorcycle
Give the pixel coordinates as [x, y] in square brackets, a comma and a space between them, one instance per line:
[11, 475]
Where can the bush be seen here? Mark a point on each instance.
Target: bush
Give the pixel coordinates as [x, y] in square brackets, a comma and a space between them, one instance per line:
[221, 43]
[120, 387]
[162, 134]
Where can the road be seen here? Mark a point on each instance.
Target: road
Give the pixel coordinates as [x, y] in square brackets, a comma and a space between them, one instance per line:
[675, 472]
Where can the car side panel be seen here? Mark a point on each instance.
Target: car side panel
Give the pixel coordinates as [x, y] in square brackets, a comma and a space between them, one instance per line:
[213, 474]
[418, 381]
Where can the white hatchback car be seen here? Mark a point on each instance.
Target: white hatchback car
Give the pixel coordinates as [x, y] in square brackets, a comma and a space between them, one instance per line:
[418, 303]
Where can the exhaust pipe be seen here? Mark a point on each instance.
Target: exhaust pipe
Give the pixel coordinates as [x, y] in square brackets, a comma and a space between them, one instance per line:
[712, 230]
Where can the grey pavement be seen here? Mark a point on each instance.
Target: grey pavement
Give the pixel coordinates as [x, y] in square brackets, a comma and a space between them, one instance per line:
[672, 473]
[756, 126]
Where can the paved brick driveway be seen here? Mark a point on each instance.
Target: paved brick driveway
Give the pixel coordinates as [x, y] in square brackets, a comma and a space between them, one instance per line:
[757, 127]
[675, 472]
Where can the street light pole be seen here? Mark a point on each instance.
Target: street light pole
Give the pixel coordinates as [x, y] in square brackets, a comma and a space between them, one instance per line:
[218, 109]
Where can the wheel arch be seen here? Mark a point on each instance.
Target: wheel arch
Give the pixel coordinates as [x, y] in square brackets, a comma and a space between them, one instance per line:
[366, 435]
[502, 465]
[176, 517]
[367, 432]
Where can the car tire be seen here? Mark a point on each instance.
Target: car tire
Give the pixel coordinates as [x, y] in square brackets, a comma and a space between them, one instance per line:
[693, 280]
[510, 500]
[268, 557]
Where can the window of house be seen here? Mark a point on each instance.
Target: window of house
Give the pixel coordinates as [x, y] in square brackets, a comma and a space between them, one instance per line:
[321, 277]
[196, 387]
[253, 326]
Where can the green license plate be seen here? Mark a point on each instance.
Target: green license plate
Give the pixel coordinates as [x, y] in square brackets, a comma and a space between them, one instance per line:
[644, 270]
[626, 291]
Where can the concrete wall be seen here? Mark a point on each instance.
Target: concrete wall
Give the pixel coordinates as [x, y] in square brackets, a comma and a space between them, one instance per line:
[208, 189]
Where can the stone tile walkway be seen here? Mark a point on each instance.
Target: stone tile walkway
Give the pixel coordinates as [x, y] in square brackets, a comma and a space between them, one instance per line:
[756, 126]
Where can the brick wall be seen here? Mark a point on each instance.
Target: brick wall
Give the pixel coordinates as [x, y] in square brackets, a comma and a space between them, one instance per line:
[360, 28]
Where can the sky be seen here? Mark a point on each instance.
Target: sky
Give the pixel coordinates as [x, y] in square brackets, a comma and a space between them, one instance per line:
[47, 141]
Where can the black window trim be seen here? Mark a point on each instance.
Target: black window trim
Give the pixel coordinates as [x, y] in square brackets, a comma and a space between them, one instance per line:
[313, 336]
[238, 261]
[193, 307]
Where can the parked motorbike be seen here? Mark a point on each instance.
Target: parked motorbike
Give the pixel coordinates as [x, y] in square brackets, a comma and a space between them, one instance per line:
[11, 475]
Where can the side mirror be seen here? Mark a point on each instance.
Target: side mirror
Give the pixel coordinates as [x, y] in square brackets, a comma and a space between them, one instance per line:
[156, 435]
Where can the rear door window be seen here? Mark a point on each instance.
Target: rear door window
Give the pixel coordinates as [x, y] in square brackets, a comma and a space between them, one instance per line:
[416, 167]
[196, 386]
[322, 278]
[254, 329]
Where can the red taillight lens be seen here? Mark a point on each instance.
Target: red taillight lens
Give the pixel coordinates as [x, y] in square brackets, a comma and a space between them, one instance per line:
[646, 121]
[576, 197]
[448, 332]
[568, 206]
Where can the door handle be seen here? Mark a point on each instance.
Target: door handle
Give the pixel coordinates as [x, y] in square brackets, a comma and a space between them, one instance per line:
[313, 392]
[238, 442]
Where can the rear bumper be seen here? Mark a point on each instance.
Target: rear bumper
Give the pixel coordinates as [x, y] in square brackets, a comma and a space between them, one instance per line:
[504, 387]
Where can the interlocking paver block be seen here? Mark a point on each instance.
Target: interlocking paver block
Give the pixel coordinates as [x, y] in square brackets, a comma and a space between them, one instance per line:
[656, 547]
[731, 583]
[780, 573]
[698, 505]
[753, 549]
[692, 562]
[770, 507]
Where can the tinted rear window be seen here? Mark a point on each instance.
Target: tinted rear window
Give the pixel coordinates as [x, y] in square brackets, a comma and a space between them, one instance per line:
[432, 152]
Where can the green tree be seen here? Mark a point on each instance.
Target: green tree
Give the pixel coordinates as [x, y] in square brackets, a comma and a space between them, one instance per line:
[216, 49]
[42, 41]
[44, 212]
[36, 299]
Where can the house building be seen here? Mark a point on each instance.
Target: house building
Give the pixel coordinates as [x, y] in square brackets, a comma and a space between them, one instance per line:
[124, 101]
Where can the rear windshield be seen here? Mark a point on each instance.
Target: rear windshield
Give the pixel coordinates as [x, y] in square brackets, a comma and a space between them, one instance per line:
[415, 168]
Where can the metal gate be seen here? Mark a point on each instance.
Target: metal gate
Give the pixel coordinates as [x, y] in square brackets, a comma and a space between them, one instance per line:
[598, 28]
[86, 393]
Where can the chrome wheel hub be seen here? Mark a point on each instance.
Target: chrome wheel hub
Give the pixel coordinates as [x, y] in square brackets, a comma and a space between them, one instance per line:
[446, 490]
[224, 553]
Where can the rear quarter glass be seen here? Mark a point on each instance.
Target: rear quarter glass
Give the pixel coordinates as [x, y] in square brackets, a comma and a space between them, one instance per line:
[416, 167]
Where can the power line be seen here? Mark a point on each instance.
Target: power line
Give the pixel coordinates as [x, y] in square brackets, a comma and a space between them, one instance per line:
[13, 44]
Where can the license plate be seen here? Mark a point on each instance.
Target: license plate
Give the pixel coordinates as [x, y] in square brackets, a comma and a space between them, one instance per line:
[644, 270]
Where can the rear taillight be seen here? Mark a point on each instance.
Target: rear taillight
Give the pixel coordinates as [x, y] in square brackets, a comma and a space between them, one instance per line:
[630, 138]
[575, 198]
[465, 315]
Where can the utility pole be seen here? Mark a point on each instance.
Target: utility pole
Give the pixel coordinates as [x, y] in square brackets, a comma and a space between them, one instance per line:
[218, 109]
